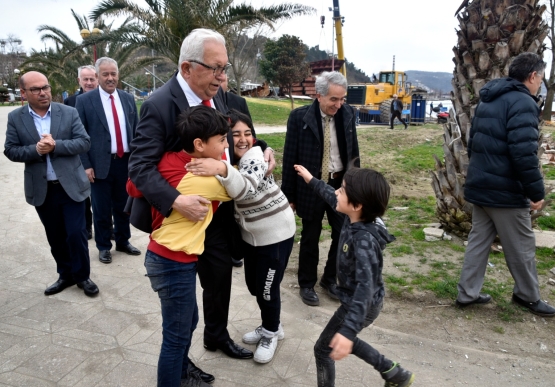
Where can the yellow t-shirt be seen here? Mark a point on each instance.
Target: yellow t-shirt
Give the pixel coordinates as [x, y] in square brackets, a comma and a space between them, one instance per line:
[178, 233]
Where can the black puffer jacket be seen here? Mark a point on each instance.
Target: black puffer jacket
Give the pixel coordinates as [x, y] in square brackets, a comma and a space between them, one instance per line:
[503, 170]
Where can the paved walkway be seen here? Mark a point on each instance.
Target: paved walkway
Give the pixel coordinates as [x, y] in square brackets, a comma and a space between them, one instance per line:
[114, 339]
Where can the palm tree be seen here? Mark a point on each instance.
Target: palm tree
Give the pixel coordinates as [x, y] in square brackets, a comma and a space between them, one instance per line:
[60, 63]
[164, 24]
[490, 34]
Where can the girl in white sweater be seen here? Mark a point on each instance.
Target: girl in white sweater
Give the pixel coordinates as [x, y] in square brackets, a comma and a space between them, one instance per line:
[267, 228]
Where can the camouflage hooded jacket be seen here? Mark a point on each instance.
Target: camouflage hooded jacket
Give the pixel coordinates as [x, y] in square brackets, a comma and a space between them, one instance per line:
[359, 264]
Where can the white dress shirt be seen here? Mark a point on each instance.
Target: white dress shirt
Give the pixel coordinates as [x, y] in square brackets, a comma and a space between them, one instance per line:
[107, 104]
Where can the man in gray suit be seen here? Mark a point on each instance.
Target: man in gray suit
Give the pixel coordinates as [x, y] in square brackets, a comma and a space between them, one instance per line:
[48, 137]
[109, 115]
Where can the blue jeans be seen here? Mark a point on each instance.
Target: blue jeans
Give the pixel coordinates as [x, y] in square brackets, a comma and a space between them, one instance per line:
[325, 365]
[175, 283]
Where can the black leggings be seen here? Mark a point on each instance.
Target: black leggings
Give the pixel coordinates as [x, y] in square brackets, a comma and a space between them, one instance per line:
[264, 269]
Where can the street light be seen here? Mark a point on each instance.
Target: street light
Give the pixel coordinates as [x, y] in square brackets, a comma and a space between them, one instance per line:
[17, 72]
[147, 81]
[85, 34]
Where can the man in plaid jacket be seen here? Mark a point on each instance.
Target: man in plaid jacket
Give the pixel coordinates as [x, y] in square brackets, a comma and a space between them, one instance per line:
[321, 137]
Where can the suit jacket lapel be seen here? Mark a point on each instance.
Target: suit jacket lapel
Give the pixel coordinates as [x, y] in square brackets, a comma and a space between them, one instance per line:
[29, 123]
[313, 120]
[127, 111]
[55, 119]
[97, 106]
[178, 95]
[220, 101]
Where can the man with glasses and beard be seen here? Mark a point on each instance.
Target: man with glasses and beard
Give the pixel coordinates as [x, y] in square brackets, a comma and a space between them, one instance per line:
[48, 137]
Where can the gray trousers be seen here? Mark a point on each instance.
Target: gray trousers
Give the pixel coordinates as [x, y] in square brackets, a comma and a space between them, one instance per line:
[514, 227]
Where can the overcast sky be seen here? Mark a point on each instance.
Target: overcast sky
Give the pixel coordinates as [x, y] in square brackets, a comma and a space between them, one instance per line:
[420, 33]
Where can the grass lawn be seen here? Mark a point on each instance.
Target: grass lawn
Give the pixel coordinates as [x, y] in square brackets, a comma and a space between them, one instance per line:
[271, 112]
[412, 265]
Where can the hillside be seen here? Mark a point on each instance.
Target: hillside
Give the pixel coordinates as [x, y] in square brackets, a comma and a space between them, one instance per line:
[437, 81]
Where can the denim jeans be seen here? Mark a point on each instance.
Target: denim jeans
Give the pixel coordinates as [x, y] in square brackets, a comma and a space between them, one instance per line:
[325, 365]
[175, 283]
[264, 269]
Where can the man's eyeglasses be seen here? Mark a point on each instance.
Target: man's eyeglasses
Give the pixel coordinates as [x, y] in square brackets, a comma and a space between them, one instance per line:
[37, 90]
[217, 70]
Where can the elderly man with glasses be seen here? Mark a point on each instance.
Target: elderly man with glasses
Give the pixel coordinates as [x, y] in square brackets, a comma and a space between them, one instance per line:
[203, 63]
[48, 137]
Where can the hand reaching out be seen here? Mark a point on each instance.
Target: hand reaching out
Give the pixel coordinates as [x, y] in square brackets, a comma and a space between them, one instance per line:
[270, 159]
[303, 172]
[341, 345]
[207, 167]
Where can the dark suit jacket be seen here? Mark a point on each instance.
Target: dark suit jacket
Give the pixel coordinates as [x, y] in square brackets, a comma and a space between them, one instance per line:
[71, 100]
[303, 145]
[156, 135]
[238, 103]
[71, 140]
[94, 120]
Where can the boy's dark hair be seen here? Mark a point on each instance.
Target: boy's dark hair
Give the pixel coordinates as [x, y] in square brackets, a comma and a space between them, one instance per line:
[236, 116]
[368, 188]
[200, 122]
[525, 64]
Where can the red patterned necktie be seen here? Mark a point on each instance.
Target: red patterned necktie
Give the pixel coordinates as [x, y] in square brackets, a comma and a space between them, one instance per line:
[119, 142]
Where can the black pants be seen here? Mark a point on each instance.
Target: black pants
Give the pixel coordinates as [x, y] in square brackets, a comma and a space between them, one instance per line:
[396, 114]
[310, 237]
[109, 197]
[264, 269]
[64, 222]
[325, 365]
[88, 213]
[214, 271]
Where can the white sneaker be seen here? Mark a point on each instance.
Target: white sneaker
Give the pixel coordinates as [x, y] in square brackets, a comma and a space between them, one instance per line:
[255, 336]
[265, 349]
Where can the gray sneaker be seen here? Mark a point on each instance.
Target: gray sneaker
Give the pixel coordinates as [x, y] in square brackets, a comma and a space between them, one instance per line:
[265, 349]
[397, 376]
[255, 336]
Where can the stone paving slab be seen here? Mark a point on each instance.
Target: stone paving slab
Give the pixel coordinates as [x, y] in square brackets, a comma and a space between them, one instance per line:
[113, 340]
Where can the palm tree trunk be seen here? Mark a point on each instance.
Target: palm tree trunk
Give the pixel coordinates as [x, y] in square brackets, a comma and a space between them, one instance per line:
[490, 34]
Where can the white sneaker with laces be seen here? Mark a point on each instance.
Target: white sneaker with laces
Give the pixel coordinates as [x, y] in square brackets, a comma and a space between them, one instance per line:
[255, 336]
[265, 349]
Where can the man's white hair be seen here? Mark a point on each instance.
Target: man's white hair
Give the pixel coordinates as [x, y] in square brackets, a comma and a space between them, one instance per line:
[193, 45]
[105, 59]
[80, 68]
[327, 78]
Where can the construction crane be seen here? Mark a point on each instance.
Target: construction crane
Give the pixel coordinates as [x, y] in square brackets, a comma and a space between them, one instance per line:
[338, 20]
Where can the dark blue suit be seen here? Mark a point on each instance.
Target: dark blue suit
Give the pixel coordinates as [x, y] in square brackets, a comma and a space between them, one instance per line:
[108, 190]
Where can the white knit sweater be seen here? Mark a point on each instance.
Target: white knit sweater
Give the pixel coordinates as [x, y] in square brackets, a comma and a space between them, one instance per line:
[261, 209]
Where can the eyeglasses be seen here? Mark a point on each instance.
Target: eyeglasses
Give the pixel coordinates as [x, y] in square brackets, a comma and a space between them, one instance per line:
[37, 90]
[217, 70]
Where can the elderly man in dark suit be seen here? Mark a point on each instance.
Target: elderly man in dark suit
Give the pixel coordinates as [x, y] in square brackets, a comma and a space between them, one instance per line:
[202, 65]
[322, 137]
[110, 117]
[88, 81]
[48, 137]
